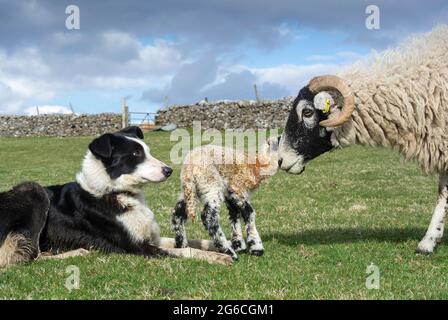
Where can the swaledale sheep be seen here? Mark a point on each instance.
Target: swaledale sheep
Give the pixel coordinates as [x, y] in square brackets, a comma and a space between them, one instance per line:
[398, 100]
[214, 175]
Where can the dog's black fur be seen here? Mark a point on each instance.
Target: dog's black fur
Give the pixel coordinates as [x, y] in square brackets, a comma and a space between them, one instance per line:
[77, 219]
[67, 217]
[23, 213]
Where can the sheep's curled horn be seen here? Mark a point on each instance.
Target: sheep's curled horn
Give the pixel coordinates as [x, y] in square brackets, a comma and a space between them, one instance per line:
[330, 82]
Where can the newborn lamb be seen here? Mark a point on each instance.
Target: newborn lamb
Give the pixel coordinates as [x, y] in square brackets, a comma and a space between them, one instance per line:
[214, 175]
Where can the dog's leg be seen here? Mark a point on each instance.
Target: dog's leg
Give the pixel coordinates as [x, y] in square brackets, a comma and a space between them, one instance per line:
[210, 220]
[165, 248]
[237, 239]
[201, 244]
[209, 256]
[15, 249]
[69, 254]
[435, 229]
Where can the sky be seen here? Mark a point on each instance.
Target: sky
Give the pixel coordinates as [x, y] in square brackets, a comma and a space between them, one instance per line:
[157, 53]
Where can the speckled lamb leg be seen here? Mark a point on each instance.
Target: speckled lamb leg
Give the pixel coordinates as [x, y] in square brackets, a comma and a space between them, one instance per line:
[435, 229]
[253, 238]
[237, 239]
[178, 224]
[210, 219]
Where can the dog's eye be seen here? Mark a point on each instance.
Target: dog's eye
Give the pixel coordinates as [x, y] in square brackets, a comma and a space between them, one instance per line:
[307, 113]
[137, 153]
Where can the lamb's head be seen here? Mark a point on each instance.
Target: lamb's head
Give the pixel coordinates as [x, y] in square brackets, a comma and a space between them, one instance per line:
[326, 102]
[268, 157]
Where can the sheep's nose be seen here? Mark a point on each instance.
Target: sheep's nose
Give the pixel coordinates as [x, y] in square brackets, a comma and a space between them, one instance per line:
[280, 161]
[167, 171]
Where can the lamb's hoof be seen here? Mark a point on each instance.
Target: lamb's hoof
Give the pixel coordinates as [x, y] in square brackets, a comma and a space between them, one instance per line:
[423, 252]
[426, 246]
[257, 253]
[255, 247]
[238, 245]
[231, 253]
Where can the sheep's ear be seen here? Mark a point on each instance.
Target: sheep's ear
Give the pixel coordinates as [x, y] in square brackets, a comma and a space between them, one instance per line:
[324, 101]
[102, 147]
[133, 131]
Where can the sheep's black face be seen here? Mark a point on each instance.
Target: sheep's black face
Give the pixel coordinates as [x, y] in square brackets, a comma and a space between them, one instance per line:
[303, 139]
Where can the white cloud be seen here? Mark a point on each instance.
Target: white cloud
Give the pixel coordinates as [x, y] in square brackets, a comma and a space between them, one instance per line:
[47, 109]
[344, 56]
[290, 76]
[118, 60]
[284, 30]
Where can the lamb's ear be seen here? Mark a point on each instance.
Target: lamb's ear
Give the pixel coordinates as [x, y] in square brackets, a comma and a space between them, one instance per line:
[133, 131]
[102, 147]
[273, 143]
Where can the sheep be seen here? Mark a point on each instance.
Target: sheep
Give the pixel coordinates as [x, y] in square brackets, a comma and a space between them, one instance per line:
[215, 174]
[398, 100]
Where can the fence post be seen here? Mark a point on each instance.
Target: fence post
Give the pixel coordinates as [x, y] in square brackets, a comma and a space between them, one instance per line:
[257, 97]
[124, 114]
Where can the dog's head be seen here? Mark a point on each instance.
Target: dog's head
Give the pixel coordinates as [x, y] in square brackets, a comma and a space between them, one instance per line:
[121, 161]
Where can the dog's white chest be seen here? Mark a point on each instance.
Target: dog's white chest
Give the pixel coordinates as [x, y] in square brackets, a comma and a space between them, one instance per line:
[139, 220]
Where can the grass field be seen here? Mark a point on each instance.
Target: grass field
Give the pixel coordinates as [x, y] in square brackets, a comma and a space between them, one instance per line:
[321, 230]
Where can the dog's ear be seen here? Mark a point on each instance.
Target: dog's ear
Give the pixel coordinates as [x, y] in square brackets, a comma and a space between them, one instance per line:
[133, 131]
[102, 147]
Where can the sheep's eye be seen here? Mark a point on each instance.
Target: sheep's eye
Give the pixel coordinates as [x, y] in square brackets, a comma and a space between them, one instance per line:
[137, 153]
[307, 113]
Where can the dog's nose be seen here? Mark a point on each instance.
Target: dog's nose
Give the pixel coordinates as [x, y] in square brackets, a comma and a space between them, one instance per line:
[167, 171]
[280, 161]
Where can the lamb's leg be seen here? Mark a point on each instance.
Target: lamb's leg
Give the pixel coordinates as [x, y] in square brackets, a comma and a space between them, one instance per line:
[210, 219]
[253, 238]
[180, 240]
[237, 238]
[178, 224]
[435, 229]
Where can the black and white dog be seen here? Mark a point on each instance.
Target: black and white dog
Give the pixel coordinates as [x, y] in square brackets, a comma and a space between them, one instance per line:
[103, 210]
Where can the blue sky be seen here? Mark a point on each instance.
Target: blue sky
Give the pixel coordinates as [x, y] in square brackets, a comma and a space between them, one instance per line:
[186, 50]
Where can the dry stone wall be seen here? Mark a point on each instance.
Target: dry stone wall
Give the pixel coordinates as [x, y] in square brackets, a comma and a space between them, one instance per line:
[267, 114]
[59, 125]
[229, 114]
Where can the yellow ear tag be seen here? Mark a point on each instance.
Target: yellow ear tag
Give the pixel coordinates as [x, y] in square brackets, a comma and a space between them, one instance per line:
[327, 106]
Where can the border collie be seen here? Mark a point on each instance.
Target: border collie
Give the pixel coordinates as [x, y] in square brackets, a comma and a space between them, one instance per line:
[103, 210]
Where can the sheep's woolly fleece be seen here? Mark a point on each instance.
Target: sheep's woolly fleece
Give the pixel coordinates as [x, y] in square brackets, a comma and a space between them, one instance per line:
[401, 98]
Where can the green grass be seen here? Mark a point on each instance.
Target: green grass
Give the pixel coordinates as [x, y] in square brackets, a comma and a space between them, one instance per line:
[321, 230]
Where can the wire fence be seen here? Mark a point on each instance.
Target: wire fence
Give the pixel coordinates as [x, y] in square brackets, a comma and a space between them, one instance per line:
[145, 120]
